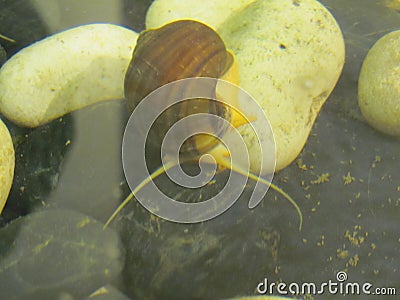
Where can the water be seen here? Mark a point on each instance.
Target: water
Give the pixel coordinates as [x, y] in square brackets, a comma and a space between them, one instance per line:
[346, 182]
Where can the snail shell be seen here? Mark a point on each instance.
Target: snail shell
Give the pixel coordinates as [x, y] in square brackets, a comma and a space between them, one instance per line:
[178, 50]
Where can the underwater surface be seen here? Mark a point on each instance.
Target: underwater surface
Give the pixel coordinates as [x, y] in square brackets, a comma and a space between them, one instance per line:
[69, 179]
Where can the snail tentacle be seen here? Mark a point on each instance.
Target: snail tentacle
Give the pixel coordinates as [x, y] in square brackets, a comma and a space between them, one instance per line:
[7, 38]
[159, 171]
[223, 160]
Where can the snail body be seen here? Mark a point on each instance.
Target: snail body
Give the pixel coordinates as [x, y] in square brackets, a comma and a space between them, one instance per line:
[179, 50]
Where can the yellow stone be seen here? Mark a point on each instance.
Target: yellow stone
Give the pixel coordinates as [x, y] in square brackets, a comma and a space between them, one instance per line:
[290, 55]
[7, 164]
[65, 72]
[379, 85]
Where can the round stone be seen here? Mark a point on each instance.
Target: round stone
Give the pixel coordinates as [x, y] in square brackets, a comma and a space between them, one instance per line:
[379, 85]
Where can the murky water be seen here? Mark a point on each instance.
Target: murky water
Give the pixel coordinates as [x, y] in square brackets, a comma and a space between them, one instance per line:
[346, 181]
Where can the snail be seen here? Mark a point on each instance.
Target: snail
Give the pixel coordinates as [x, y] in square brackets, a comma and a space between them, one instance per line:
[201, 54]
[179, 50]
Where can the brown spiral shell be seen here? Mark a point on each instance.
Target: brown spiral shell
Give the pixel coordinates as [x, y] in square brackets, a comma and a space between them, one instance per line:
[178, 50]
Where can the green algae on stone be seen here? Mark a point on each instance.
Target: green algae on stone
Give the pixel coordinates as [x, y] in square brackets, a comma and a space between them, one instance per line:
[3, 55]
[217, 259]
[39, 154]
[57, 251]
